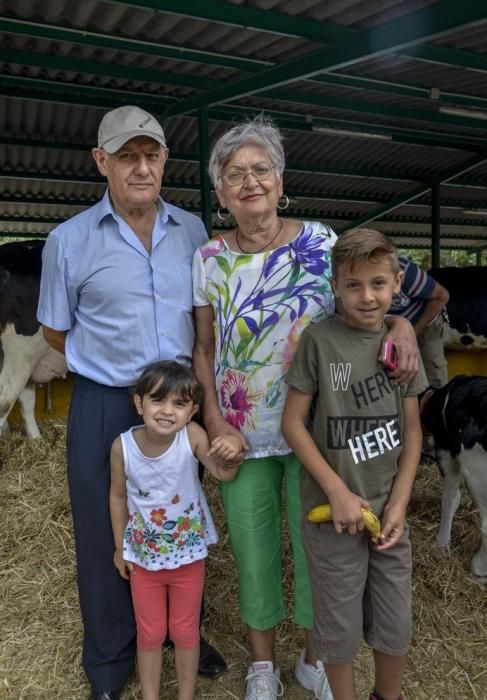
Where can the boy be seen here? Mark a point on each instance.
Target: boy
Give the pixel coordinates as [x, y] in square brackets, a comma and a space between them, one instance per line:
[362, 450]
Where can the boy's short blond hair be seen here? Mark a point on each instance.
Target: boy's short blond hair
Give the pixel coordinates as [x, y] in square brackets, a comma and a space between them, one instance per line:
[363, 245]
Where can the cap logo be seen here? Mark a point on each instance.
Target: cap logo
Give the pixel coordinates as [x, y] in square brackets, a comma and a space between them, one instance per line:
[145, 122]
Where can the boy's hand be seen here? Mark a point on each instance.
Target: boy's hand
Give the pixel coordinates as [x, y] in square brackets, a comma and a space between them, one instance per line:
[392, 527]
[346, 508]
[230, 448]
[125, 568]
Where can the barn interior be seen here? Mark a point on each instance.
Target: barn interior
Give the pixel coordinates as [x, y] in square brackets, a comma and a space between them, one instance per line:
[383, 105]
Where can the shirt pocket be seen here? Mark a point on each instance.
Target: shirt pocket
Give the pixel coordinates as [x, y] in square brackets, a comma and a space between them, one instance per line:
[174, 285]
[185, 277]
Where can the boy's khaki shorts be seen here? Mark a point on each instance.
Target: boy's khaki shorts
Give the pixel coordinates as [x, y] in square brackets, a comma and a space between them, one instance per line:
[358, 592]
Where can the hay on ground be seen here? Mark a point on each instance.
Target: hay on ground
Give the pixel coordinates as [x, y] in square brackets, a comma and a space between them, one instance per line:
[40, 629]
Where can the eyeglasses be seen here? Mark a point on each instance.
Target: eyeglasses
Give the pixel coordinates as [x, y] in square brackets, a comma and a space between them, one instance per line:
[259, 171]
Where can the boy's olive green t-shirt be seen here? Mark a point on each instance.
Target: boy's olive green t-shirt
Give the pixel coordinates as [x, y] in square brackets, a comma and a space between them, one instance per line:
[357, 416]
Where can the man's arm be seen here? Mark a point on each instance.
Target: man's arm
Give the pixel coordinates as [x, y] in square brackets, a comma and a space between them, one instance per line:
[436, 303]
[56, 339]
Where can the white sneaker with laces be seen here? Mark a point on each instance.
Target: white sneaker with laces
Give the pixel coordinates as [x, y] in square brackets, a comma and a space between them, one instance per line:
[263, 681]
[313, 678]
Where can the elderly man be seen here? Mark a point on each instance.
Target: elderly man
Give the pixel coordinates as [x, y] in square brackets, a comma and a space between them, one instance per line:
[422, 300]
[116, 295]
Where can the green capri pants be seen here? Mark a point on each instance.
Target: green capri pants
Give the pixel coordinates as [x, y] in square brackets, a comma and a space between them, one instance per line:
[253, 508]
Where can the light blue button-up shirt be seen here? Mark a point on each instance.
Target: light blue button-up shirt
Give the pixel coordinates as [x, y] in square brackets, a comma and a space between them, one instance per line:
[123, 307]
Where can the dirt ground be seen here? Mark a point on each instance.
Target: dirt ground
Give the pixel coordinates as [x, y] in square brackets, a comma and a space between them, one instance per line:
[40, 628]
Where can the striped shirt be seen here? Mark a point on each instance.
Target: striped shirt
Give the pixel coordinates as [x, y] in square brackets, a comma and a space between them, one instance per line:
[416, 289]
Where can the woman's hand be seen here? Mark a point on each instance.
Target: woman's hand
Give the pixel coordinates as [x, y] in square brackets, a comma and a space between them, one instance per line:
[402, 334]
[227, 447]
[218, 429]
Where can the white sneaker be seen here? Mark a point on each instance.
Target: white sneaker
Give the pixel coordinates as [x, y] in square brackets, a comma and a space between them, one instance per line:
[313, 678]
[263, 681]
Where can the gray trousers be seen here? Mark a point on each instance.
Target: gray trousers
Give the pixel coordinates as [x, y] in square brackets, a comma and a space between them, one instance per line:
[432, 351]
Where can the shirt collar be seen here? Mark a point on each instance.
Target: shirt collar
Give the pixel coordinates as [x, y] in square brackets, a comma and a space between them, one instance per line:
[165, 211]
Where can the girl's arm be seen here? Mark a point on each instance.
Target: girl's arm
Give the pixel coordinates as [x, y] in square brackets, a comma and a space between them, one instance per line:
[118, 507]
[395, 511]
[345, 505]
[204, 369]
[200, 444]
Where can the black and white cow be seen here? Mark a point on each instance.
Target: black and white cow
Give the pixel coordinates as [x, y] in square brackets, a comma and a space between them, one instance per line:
[25, 357]
[456, 416]
[467, 307]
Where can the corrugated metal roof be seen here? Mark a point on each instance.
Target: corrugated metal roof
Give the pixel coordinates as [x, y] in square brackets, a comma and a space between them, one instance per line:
[64, 63]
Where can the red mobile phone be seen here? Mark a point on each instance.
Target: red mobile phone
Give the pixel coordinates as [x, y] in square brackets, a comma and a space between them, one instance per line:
[389, 357]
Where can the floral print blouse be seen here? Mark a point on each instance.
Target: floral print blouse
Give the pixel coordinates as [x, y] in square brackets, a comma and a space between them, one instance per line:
[262, 303]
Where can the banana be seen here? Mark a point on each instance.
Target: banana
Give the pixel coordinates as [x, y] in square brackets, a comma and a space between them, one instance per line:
[322, 514]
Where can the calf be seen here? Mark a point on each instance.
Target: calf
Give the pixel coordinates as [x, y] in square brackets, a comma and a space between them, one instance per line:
[22, 346]
[467, 307]
[456, 416]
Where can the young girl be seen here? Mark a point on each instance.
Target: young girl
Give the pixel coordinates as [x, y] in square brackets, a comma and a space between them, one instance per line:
[161, 521]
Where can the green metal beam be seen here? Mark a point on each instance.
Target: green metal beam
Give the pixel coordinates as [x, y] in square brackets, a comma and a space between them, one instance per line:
[71, 93]
[246, 17]
[120, 42]
[420, 190]
[114, 70]
[84, 95]
[428, 23]
[125, 43]
[47, 200]
[312, 168]
[419, 137]
[205, 182]
[82, 179]
[399, 89]
[448, 57]
[381, 109]
[435, 224]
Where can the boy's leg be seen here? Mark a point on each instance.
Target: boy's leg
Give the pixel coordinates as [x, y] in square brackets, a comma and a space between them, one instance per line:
[389, 672]
[340, 678]
[185, 591]
[337, 566]
[387, 614]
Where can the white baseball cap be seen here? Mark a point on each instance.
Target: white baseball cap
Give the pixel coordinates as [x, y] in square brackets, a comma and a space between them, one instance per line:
[125, 123]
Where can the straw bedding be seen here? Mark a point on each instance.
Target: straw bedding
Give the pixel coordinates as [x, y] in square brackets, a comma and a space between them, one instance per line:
[40, 628]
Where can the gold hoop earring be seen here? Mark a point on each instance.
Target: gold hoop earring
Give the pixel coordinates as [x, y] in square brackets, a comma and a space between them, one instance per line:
[286, 202]
[220, 212]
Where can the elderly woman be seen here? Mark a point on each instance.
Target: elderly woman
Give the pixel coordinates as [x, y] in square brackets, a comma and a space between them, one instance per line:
[255, 289]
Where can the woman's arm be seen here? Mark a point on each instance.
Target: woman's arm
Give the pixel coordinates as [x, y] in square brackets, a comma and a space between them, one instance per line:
[204, 368]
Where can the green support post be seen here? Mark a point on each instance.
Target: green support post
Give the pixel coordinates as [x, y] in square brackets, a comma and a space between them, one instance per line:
[205, 183]
[435, 225]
